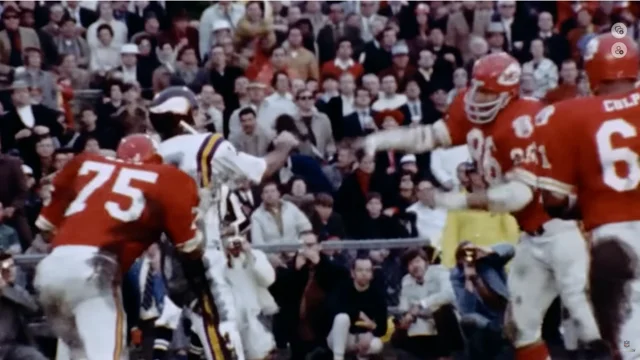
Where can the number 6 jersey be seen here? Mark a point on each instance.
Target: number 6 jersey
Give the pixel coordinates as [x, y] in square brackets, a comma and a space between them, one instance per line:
[592, 145]
[121, 207]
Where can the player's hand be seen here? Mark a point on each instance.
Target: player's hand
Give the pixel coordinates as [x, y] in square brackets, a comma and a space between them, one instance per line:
[24, 133]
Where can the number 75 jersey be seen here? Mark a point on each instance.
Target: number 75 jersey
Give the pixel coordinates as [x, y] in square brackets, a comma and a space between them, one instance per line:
[592, 145]
[121, 207]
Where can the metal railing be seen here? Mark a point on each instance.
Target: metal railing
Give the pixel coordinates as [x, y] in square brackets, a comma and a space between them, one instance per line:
[373, 244]
[42, 329]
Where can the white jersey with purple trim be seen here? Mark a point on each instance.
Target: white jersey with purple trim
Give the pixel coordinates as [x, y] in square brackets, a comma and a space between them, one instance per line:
[206, 157]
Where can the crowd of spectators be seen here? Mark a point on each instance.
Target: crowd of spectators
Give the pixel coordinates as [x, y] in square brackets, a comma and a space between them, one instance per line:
[77, 76]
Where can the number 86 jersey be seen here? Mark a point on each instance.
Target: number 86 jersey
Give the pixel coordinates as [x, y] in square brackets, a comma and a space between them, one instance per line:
[592, 144]
[504, 149]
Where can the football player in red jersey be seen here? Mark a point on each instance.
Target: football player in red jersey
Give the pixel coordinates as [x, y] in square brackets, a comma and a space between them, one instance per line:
[498, 127]
[593, 148]
[103, 214]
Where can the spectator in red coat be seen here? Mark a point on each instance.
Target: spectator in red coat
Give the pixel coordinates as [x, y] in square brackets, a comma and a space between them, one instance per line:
[343, 62]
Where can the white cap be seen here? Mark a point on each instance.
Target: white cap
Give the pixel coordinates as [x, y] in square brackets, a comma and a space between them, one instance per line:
[221, 25]
[408, 159]
[129, 49]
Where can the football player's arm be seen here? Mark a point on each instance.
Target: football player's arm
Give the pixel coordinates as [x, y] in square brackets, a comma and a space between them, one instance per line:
[511, 196]
[180, 213]
[61, 195]
[423, 138]
[409, 139]
[252, 167]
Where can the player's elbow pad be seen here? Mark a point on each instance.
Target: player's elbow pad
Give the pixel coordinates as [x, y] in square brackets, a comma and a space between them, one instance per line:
[510, 197]
[412, 140]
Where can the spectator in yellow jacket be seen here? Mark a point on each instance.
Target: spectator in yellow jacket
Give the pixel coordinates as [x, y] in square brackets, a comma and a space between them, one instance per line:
[482, 228]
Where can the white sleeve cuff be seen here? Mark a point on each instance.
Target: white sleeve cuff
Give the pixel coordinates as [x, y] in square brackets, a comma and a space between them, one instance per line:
[451, 200]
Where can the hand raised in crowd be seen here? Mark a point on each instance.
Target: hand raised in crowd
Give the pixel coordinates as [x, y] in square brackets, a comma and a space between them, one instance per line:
[276, 261]
[246, 247]
[24, 133]
[41, 130]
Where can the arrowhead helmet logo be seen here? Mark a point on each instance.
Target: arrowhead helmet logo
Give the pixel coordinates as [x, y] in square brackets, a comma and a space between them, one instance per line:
[511, 75]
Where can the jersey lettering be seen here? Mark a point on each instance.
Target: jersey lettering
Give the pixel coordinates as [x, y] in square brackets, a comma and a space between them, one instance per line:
[482, 149]
[523, 126]
[609, 155]
[533, 154]
[122, 186]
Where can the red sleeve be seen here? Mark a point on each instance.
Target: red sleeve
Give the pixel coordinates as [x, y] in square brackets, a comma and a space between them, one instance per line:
[62, 194]
[180, 212]
[558, 169]
[456, 120]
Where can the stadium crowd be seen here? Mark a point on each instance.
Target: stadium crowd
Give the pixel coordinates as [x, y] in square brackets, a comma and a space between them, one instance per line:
[77, 77]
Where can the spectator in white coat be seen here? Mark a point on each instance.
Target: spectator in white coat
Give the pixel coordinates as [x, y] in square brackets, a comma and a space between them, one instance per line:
[545, 71]
[106, 17]
[250, 275]
[276, 220]
[444, 163]
[430, 222]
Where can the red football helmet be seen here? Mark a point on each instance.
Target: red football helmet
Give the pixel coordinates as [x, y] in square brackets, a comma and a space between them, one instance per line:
[606, 59]
[136, 148]
[495, 81]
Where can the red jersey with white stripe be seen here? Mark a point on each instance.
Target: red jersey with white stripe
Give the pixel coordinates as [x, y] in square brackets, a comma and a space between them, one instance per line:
[121, 207]
[503, 149]
[593, 146]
